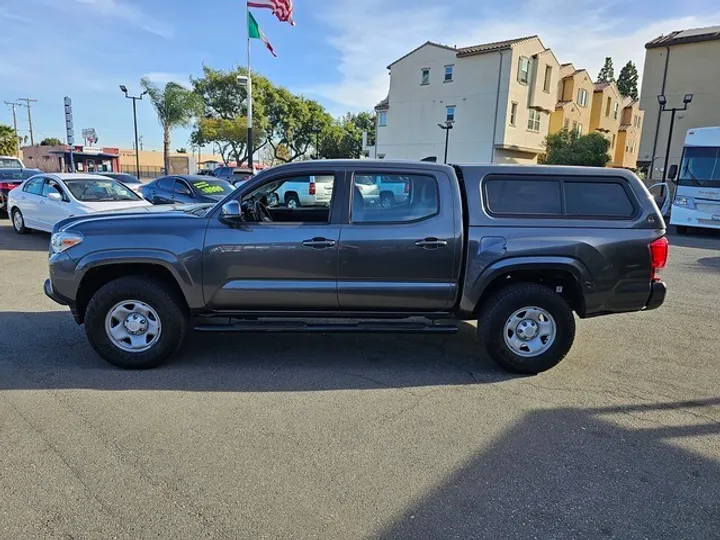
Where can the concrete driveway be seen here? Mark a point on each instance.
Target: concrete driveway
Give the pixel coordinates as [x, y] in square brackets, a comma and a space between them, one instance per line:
[313, 436]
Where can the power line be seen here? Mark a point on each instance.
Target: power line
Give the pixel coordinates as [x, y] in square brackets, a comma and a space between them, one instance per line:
[27, 104]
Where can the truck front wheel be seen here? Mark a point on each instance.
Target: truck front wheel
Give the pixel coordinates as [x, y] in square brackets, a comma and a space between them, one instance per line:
[527, 328]
[136, 322]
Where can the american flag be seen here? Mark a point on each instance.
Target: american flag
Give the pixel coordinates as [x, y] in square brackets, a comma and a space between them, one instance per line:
[282, 9]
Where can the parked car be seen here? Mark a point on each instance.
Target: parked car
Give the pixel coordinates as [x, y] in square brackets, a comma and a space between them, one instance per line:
[10, 178]
[517, 248]
[307, 191]
[223, 172]
[241, 175]
[392, 190]
[185, 189]
[133, 182]
[45, 199]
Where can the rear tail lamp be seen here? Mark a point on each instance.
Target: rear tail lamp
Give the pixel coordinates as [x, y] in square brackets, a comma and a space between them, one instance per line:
[312, 188]
[6, 186]
[659, 251]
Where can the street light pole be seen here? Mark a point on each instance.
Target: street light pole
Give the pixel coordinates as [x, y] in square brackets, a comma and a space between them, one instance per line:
[447, 126]
[662, 100]
[124, 90]
[17, 140]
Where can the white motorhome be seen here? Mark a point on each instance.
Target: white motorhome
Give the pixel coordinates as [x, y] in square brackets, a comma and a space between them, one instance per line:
[697, 197]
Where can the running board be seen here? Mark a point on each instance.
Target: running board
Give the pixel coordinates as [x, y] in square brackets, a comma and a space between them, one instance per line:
[370, 327]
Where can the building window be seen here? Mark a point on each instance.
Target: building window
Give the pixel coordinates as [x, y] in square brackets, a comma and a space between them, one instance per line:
[637, 122]
[382, 118]
[425, 77]
[608, 104]
[582, 98]
[523, 69]
[579, 130]
[616, 110]
[513, 114]
[450, 113]
[548, 79]
[613, 141]
[449, 73]
[533, 120]
[566, 125]
[575, 127]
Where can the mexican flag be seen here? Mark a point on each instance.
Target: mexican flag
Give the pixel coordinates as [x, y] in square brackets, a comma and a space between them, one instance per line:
[254, 32]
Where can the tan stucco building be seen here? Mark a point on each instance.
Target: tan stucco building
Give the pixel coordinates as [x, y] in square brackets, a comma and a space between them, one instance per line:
[676, 64]
[574, 101]
[606, 113]
[629, 133]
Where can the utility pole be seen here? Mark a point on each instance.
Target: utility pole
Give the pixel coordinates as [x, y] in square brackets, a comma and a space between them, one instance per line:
[17, 140]
[141, 142]
[27, 104]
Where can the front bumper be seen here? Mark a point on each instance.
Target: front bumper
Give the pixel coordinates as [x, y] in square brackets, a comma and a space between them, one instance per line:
[658, 290]
[50, 293]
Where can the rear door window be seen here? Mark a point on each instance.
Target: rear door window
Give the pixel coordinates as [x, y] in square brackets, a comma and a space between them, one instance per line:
[523, 196]
[370, 205]
[601, 199]
[166, 183]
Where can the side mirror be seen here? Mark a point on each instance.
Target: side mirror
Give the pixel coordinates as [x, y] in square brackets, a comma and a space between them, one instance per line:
[272, 199]
[672, 172]
[231, 212]
[54, 196]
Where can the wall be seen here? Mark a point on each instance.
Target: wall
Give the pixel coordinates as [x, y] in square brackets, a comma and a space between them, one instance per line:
[39, 157]
[599, 120]
[415, 110]
[693, 68]
[149, 158]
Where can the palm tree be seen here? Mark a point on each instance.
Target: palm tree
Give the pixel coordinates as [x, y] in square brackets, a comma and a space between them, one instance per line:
[175, 106]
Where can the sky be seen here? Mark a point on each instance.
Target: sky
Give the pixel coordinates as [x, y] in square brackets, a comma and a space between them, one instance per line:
[337, 53]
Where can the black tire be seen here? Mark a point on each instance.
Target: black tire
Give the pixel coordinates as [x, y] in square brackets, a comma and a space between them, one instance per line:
[387, 200]
[292, 198]
[503, 304]
[682, 229]
[18, 222]
[163, 299]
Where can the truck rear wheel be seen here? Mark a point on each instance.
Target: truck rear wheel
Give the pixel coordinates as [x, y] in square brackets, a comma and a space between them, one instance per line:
[136, 322]
[527, 328]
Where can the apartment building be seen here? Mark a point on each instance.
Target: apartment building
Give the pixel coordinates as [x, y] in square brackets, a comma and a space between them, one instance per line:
[498, 96]
[574, 101]
[679, 63]
[605, 115]
[629, 134]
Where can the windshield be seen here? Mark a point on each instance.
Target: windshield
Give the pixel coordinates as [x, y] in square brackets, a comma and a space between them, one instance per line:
[700, 167]
[10, 163]
[213, 188]
[90, 190]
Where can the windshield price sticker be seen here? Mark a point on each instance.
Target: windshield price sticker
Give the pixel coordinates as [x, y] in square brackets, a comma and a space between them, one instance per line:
[208, 189]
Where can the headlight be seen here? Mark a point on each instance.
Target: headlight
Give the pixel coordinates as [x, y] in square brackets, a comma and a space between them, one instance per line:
[61, 241]
[686, 202]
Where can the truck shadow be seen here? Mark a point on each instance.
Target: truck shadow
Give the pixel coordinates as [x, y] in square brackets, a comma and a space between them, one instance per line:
[11, 241]
[47, 350]
[567, 473]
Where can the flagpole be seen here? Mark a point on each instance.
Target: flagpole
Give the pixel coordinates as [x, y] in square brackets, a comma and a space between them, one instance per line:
[249, 98]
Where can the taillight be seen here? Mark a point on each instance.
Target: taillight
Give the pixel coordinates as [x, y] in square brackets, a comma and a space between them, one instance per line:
[312, 188]
[6, 186]
[659, 251]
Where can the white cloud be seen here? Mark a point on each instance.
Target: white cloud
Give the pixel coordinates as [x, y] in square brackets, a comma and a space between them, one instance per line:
[161, 78]
[128, 13]
[370, 35]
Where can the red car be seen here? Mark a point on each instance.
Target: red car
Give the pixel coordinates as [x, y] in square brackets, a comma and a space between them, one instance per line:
[10, 178]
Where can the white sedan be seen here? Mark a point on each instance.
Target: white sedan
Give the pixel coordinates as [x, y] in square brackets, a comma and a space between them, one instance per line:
[45, 199]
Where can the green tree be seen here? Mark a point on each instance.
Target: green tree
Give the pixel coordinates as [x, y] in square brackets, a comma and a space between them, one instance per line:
[343, 138]
[567, 148]
[607, 73]
[175, 106]
[8, 142]
[51, 141]
[223, 120]
[628, 79]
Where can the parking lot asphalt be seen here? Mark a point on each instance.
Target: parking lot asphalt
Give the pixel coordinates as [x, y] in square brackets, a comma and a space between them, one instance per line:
[324, 436]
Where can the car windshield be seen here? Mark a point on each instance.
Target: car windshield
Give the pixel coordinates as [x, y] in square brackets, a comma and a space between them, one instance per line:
[212, 187]
[100, 190]
[10, 163]
[700, 167]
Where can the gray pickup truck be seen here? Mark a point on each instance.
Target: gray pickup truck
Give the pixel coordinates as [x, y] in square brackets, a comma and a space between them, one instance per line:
[517, 248]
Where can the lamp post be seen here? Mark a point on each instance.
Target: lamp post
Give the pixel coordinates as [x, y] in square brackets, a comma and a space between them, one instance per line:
[317, 131]
[124, 90]
[447, 126]
[662, 100]
[246, 82]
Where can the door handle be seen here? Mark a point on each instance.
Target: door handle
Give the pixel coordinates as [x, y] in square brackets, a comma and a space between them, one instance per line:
[41, 202]
[319, 243]
[431, 243]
